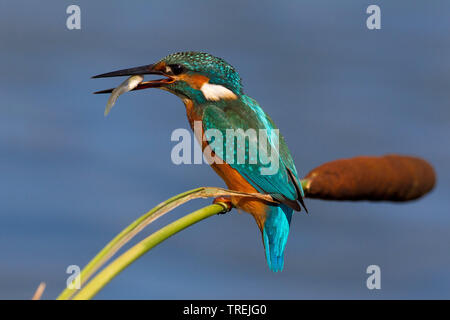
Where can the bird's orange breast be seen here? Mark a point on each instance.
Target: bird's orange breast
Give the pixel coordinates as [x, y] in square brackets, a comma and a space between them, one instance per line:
[232, 178]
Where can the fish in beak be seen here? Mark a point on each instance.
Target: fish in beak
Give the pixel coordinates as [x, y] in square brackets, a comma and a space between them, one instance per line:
[134, 82]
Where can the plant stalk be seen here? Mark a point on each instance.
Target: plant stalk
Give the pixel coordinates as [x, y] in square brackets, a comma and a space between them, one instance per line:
[134, 253]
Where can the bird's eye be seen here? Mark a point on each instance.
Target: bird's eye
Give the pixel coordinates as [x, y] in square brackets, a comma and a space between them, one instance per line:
[176, 69]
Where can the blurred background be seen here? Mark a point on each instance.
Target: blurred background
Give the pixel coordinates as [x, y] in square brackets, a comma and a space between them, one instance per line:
[71, 179]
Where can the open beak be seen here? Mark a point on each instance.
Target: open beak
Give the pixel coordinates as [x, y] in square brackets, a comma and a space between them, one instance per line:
[148, 69]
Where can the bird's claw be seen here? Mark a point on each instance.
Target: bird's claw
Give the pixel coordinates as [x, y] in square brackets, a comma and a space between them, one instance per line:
[225, 202]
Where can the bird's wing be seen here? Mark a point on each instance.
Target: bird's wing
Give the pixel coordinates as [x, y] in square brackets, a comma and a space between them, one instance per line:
[284, 184]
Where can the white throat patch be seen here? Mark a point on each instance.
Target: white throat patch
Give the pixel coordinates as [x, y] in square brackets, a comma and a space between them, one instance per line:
[215, 92]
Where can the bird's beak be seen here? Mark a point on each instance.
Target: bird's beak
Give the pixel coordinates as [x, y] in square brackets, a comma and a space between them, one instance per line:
[148, 69]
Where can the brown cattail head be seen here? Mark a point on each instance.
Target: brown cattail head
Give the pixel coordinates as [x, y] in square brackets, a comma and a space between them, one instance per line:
[386, 178]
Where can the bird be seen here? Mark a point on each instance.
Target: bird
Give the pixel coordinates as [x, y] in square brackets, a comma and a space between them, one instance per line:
[212, 92]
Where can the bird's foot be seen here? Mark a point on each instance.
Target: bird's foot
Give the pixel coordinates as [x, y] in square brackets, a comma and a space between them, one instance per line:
[225, 202]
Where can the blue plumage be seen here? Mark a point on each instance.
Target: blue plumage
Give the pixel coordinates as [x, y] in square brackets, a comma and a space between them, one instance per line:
[283, 186]
[275, 235]
[245, 113]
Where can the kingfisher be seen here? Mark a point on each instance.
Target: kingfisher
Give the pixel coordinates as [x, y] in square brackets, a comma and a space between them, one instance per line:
[212, 92]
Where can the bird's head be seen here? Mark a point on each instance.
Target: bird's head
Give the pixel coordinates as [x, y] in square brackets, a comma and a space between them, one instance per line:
[193, 75]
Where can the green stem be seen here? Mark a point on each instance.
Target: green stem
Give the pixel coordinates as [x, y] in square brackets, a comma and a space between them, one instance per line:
[129, 232]
[123, 261]
[126, 234]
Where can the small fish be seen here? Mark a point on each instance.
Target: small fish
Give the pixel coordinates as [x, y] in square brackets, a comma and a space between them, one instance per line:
[128, 85]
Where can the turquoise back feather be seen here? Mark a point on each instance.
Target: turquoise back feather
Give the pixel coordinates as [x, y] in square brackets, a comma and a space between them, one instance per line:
[244, 114]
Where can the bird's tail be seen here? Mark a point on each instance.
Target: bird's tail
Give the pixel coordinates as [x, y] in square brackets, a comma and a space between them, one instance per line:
[275, 234]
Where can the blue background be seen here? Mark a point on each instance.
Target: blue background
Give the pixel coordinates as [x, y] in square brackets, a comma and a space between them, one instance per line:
[71, 179]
